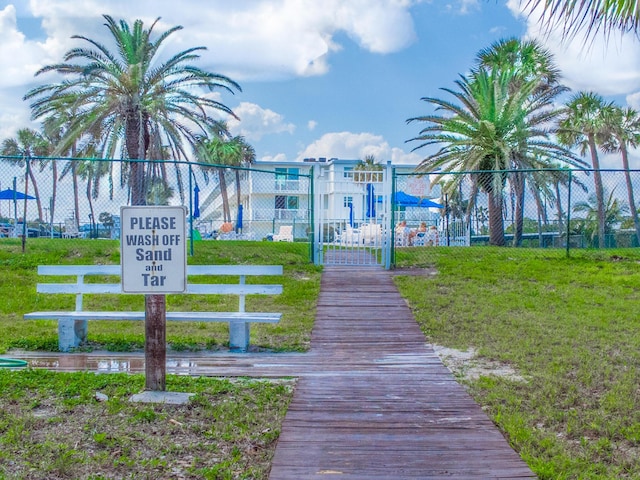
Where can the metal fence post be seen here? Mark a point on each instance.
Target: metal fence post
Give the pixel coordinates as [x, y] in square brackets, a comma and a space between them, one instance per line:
[311, 237]
[569, 212]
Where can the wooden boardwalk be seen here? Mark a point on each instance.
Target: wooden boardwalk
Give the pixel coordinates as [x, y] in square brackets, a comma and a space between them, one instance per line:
[373, 401]
[378, 403]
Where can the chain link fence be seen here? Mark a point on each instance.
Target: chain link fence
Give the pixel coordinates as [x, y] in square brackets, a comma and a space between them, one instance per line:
[81, 198]
[537, 209]
[542, 210]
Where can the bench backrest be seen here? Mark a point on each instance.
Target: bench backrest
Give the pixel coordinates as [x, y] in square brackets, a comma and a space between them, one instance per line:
[241, 288]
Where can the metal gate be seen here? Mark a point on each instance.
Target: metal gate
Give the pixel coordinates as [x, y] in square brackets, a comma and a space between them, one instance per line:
[352, 215]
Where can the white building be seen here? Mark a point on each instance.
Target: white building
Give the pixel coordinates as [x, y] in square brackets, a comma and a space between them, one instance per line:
[282, 193]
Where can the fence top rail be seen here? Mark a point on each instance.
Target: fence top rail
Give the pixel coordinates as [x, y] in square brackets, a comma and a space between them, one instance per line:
[587, 170]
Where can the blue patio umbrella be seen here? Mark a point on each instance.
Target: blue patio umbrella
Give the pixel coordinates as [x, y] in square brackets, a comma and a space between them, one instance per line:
[371, 201]
[239, 219]
[10, 194]
[350, 214]
[405, 200]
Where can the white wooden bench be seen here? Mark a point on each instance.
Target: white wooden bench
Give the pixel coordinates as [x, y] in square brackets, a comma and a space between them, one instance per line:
[72, 325]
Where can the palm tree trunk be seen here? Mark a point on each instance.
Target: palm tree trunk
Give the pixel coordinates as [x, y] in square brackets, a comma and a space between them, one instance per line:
[135, 152]
[76, 199]
[54, 191]
[519, 187]
[627, 175]
[496, 223]
[91, 217]
[36, 193]
[226, 211]
[597, 179]
[238, 194]
[559, 209]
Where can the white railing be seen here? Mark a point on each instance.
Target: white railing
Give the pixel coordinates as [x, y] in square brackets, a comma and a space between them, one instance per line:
[278, 214]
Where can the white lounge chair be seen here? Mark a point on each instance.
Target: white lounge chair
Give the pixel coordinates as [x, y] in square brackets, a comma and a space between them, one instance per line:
[349, 236]
[70, 229]
[285, 234]
[371, 234]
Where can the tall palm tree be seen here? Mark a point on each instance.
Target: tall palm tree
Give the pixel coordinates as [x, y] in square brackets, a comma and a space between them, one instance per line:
[623, 129]
[492, 125]
[582, 122]
[136, 101]
[26, 147]
[523, 61]
[243, 155]
[591, 15]
[218, 151]
[92, 171]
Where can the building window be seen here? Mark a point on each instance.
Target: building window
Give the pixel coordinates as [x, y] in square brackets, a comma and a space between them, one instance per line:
[348, 172]
[287, 202]
[287, 178]
[346, 201]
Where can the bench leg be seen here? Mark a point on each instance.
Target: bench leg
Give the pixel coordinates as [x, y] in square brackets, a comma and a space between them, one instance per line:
[71, 333]
[238, 336]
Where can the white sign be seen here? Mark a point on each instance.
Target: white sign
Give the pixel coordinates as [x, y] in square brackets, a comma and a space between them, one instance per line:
[153, 249]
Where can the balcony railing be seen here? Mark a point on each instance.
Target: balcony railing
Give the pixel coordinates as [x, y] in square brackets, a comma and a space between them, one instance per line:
[259, 214]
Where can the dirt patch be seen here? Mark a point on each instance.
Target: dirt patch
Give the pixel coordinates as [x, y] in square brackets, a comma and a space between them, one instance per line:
[415, 271]
[469, 366]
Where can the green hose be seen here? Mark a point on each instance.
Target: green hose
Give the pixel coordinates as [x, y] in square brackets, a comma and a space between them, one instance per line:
[12, 363]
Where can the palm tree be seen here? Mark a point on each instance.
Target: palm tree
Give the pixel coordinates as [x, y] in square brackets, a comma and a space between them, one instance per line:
[614, 213]
[25, 146]
[366, 170]
[216, 150]
[92, 171]
[244, 155]
[493, 124]
[135, 101]
[582, 122]
[623, 129]
[523, 61]
[591, 15]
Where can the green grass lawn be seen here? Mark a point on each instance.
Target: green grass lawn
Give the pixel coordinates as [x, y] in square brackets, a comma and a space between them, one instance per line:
[301, 284]
[569, 326]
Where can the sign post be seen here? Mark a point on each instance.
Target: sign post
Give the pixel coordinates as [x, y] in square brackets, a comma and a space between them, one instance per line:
[153, 253]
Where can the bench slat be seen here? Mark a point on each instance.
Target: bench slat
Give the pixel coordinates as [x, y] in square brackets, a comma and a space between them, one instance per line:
[192, 288]
[171, 316]
[75, 270]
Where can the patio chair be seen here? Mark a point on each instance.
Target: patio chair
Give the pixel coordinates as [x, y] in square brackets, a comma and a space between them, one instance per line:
[349, 236]
[70, 229]
[285, 234]
[371, 234]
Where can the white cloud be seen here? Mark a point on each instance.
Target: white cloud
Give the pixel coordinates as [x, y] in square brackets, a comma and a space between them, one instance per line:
[633, 100]
[348, 145]
[19, 57]
[311, 125]
[258, 39]
[607, 66]
[255, 122]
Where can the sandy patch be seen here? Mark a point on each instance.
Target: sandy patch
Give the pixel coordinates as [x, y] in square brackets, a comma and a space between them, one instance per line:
[468, 365]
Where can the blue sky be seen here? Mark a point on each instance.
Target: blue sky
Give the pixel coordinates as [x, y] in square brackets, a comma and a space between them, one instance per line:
[331, 78]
